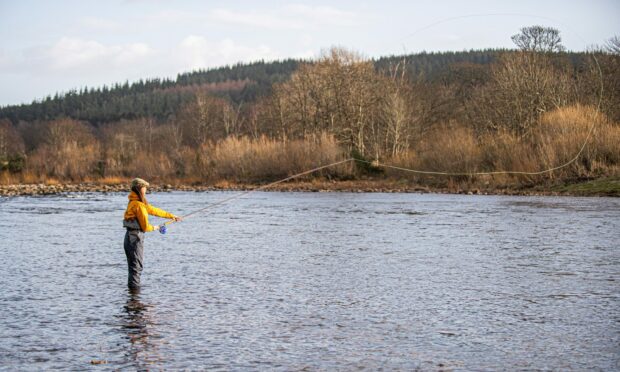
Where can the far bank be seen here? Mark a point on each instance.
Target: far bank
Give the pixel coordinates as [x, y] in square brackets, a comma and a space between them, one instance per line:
[609, 186]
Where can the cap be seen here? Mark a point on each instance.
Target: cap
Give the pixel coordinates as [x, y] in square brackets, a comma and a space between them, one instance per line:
[139, 182]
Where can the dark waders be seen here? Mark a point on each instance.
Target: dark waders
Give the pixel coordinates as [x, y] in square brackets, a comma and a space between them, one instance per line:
[134, 250]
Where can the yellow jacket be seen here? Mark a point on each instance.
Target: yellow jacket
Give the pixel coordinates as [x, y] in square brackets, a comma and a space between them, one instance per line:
[140, 211]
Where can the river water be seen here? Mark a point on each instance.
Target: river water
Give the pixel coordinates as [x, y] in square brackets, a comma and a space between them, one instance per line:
[314, 281]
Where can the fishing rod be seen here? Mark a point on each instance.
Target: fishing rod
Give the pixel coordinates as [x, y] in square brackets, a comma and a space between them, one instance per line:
[162, 227]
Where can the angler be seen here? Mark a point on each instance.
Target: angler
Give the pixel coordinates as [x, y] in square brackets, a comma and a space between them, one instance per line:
[136, 222]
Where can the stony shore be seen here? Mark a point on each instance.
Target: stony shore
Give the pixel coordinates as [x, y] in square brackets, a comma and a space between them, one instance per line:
[314, 186]
[43, 189]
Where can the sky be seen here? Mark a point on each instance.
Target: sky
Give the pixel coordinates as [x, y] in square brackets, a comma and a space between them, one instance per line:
[55, 46]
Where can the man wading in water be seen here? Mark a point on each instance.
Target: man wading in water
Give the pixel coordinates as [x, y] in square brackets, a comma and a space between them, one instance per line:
[137, 223]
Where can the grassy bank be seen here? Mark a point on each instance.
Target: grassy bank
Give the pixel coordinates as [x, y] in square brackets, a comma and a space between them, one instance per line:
[599, 187]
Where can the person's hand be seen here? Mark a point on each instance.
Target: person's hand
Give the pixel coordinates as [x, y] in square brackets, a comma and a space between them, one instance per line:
[176, 218]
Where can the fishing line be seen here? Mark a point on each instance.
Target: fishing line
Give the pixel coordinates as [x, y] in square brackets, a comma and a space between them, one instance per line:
[483, 15]
[162, 228]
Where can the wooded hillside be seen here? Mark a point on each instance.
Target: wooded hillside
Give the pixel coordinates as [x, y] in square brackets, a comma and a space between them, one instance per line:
[525, 109]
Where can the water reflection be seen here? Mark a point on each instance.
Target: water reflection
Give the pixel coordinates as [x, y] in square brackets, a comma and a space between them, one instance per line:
[138, 326]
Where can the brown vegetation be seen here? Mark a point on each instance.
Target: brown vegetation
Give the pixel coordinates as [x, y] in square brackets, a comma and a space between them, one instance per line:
[528, 112]
[555, 142]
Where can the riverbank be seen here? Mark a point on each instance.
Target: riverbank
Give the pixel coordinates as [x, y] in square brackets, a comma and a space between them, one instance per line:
[599, 187]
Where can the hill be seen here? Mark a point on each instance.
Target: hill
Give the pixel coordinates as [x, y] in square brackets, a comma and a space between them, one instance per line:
[161, 98]
[466, 112]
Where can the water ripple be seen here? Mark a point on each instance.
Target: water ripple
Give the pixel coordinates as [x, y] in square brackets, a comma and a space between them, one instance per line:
[293, 281]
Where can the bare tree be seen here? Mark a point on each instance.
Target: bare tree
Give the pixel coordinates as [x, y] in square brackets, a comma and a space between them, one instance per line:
[523, 86]
[70, 150]
[600, 84]
[203, 120]
[613, 45]
[539, 39]
[147, 127]
[232, 119]
[11, 142]
[341, 94]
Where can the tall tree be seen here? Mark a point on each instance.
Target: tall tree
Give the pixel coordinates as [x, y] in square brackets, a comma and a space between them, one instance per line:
[539, 39]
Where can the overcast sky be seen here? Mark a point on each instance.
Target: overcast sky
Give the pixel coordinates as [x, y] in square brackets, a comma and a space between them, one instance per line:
[54, 46]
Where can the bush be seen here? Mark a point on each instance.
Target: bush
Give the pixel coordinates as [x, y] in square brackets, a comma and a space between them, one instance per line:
[264, 159]
[452, 148]
[561, 135]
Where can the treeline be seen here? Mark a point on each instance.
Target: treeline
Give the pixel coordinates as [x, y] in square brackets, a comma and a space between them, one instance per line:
[156, 98]
[480, 111]
[241, 83]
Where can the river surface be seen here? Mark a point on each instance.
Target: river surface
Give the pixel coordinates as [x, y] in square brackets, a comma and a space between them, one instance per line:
[314, 281]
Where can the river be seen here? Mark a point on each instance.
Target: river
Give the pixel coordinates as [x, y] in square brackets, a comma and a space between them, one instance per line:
[314, 281]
